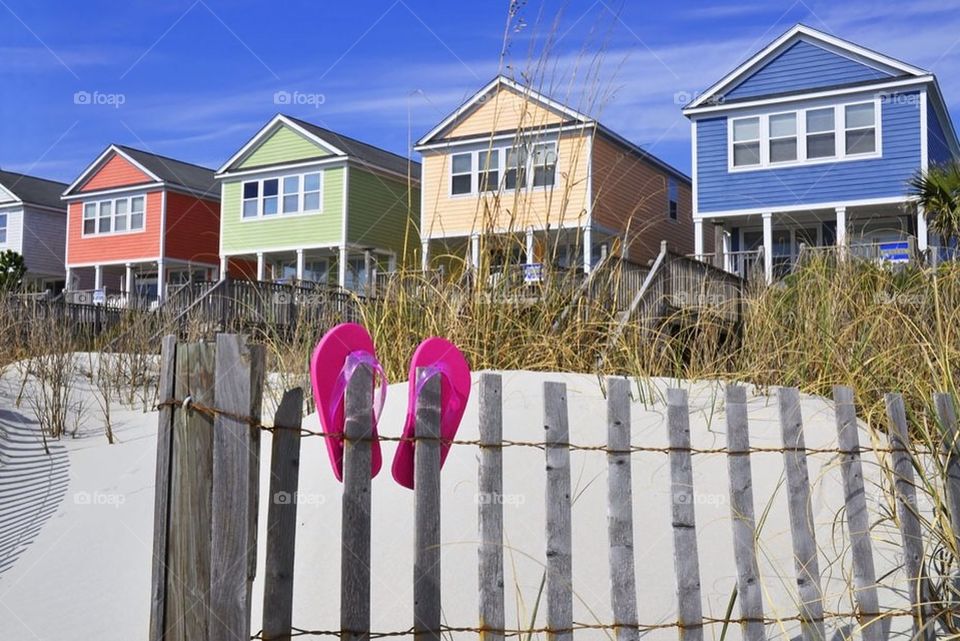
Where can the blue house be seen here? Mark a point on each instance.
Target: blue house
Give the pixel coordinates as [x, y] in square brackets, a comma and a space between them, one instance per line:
[812, 142]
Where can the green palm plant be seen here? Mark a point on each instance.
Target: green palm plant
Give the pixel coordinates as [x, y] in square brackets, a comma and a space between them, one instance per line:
[938, 192]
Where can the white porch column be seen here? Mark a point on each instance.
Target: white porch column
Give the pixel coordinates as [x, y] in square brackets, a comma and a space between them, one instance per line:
[224, 267]
[530, 257]
[98, 277]
[128, 280]
[923, 233]
[342, 267]
[727, 258]
[425, 255]
[392, 263]
[841, 226]
[68, 275]
[698, 238]
[768, 246]
[161, 280]
[300, 265]
[475, 251]
[587, 249]
[367, 268]
[261, 267]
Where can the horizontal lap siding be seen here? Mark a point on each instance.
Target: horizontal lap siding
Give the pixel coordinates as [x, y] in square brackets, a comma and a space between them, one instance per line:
[249, 236]
[116, 172]
[564, 205]
[382, 211]
[804, 66]
[193, 229]
[721, 190]
[505, 110]
[114, 248]
[44, 239]
[284, 145]
[630, 197]
[937, 147]
[14, 229]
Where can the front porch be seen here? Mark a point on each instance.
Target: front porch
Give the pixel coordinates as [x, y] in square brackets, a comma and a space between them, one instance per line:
[769, 244]
[136, 284]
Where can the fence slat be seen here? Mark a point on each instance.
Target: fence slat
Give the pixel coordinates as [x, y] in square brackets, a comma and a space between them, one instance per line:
[282, 518]
[685, 554]
[490, 516]
[426, 559]
[623, 581]
[161, 506]
[910, 529]
[801, 515]
[355, 523]
[559, 553]
[188, 547]
[858, 519]
[236, 481]
[947, 414]
[742, 514]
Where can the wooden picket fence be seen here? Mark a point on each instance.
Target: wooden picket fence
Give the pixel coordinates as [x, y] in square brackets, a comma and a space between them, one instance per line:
[207, 490]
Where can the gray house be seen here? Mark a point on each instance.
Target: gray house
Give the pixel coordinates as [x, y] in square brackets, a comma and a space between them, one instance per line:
[33, 222]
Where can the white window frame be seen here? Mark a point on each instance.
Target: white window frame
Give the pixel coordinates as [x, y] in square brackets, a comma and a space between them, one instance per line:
[875, 126]
[500, 153]
[839, 124]
[99, 203]
[4, 222]
[771, 138]
[761, 123]
[280, 178]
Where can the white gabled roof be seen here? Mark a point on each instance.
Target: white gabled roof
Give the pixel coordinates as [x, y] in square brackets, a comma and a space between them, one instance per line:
[493, 86]
[814, 36]
[267, 130]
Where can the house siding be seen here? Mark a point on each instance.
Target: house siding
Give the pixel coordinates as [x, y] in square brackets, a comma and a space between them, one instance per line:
[938, 150]
[283, 146]
[193, 229]
[803, 66]
[116, 172]
[14, 229]
[383, 212]
[505, 110]
[43, 242]
[630, 196]
[239, 236]
[143, 245]
[720, 190]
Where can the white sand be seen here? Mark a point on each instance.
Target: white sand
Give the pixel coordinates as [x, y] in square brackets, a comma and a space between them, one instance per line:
[75, 558]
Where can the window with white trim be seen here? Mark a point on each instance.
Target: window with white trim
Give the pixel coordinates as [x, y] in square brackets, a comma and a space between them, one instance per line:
[461, 174]
[489, 170]
[114, 216]
[532, 166]
[544, 158]
[782, 130]
[673, 200]
[3, 228]
[860, 128]
[746, 142]
[285, 195]
[821, 133]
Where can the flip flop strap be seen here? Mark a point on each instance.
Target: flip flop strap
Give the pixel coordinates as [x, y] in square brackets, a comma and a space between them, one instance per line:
[350, 365]
[426, 373]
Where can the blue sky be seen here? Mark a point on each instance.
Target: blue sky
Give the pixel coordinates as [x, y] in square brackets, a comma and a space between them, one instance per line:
[194, 79]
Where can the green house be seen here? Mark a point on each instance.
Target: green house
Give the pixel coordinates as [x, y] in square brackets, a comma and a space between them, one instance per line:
[303, 203]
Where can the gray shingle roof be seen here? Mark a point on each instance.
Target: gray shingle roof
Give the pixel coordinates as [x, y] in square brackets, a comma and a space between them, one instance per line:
[176, 172]
[33, 190]
[366, 154]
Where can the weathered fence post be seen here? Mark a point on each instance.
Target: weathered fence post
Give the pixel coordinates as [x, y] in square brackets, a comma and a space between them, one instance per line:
[742, 514]
[559, 549]
[682, 499]
[355, 523]
[623, 582]
[490, 508]
[801, 516]
[282, 518]
[426, 559]
[947, 416]
[236, 483]
[910, 529]
[858, 519]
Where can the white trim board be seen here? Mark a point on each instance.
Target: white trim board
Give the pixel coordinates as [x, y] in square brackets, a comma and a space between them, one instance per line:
[815, 37]
[756, 211]
[268, 129]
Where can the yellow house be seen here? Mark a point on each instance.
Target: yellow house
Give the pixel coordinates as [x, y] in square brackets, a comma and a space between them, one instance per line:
[511, 163]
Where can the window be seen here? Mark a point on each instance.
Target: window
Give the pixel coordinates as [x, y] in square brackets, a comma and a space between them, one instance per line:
[516, 168]
[544, 164]
[783, 137]
[672, 199]
[295, 194]
[488, 166]
[821, 138]
[461, 174]
[120, 215]
[746, 142]
[3, 228]
[860, 129]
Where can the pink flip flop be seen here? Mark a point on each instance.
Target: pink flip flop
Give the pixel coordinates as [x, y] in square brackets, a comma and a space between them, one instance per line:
[441, 358]
[335, 358]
